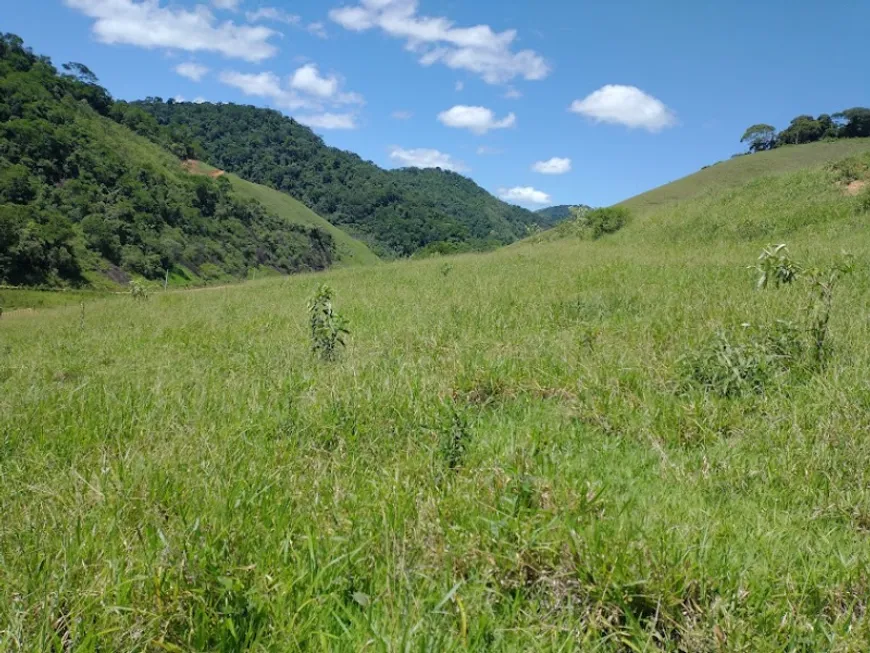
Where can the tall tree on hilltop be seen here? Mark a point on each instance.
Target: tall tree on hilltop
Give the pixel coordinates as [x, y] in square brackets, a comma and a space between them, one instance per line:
[760, 137]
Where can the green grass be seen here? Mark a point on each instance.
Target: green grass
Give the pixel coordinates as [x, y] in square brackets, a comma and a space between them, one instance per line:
[507, 456]
[350, 250]
[23, 298]
[738, 171]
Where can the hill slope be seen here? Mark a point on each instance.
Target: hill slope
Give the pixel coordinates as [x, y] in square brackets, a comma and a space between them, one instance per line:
[398, 212]
[81, 193]
[350, 251]
[742, 169]
[536, 449]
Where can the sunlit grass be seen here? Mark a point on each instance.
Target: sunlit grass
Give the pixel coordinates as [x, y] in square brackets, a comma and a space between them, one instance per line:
[504, 457]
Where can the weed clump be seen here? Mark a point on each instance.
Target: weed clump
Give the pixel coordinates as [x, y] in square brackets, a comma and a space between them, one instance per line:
[735, 363]
[328, 328]
[138, 290]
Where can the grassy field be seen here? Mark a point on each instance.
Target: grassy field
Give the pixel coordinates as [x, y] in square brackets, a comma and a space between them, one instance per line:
[736, 172]
[529, 450]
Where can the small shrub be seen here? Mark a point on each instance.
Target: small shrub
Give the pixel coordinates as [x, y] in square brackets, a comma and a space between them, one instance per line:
[776, 266]
[328, 328]
[862, 201]
[823, 284]
[454, 439]
[601, 222]
[446, 269]
[138, 290]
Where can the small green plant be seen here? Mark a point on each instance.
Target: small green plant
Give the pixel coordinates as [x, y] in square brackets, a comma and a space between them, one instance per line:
[862, 202]
[446, 269]
[138, 290]
[775, 266]
[328, 328]
[737, 363]
[454, 439]
[823, 283]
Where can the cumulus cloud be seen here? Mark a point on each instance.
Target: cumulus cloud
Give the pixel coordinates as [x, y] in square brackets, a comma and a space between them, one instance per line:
[147, 24]
[230, 5]
[306, 89]
[273, 14]
[626, 105]
[402, 115]
[199, 100]
[478, 49]
[425, 158]
[318, 29]
[554, 166]
[477, 119]
[524, 195]
[512, 94]
[328, 121]
[191, 70]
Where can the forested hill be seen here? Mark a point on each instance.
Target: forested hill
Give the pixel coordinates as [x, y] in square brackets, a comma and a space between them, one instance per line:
[399, 211]
[80, 193]
[562, 212]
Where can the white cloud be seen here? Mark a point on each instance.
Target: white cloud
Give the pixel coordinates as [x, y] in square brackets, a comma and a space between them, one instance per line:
[178, 98]
[485, 150]
[402, 115]
[147, 24]
[477, 119]
[424, 158]
[230, 5]
[199, 100]
[512, 94]
[329, 121]
[308, 79]
[318, 29]
[273, 14]
[626, 105]
[478, 49]
[306, 90]
[524, 195]
[460, 86]
[554, 166]
[191, 70]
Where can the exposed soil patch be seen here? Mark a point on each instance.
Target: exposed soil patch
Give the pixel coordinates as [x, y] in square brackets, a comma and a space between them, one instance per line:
[855, 187]
[194, 167]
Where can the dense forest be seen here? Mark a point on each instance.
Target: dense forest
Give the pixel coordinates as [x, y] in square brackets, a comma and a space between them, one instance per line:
[398, 212]
[850, 123]
[79, 192]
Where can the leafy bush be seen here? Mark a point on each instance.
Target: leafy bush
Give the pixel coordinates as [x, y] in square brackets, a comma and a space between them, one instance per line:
[776, 265]
[601, 222]
[328, 328]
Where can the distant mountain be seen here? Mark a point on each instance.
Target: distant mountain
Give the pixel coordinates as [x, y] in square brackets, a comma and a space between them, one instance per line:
[397, 212]
[561, 212]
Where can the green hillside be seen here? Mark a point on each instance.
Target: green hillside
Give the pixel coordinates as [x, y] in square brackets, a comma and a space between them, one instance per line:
[619, 444]
[350, 251]
[396, 212]
[742, 169]
[86, 201]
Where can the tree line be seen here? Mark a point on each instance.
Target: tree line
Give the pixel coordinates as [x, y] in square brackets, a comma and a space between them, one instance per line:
[850, 123]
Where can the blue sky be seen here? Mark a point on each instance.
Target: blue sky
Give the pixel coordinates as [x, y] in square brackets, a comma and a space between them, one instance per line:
[634, 93]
